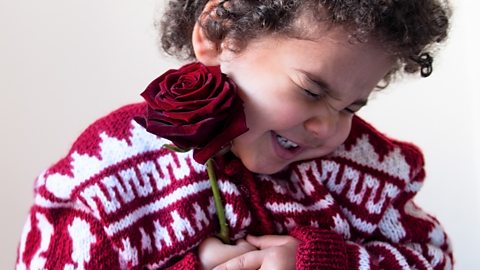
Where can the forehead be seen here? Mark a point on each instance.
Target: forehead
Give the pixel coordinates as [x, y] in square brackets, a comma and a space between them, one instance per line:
[329, 56]
[333, 54]
[319, 44]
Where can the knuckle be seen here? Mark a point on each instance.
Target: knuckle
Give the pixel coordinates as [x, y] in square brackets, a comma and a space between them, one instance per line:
[241, 262]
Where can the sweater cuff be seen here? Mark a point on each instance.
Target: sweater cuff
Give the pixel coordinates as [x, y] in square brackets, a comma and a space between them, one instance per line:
[189, 262]
[320, 249]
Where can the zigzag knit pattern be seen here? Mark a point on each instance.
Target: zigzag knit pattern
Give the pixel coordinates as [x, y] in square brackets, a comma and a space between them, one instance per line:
[118, 200]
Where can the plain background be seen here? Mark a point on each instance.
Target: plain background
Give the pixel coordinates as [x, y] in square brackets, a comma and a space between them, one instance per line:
[65, 63]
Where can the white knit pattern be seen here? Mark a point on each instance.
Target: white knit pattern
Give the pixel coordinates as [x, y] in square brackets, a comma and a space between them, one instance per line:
[112, 151]
[364, 153]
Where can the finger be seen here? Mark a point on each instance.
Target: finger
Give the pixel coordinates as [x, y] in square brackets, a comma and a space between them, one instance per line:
[267, 241]
[211, 243]
[208, 253]
[213, 252]
[231, 251]
[240, 247]
[242, 244]
[248, 261]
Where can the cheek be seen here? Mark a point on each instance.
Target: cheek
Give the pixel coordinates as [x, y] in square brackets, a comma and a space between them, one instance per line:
[267, 98]
[341, 134]
[270, 111]
[344, 131]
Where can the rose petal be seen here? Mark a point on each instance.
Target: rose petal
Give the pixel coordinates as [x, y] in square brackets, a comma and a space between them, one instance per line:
[195, 107]
[236, 128]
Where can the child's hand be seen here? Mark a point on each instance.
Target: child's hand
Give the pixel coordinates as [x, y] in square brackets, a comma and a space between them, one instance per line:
[213, 252]
[274, 252]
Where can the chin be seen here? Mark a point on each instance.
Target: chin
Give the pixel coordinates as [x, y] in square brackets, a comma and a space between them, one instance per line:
[262, 167]
[258, 164]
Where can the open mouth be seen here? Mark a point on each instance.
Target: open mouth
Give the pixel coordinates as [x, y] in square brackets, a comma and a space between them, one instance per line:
[286, 143]
[285, 148]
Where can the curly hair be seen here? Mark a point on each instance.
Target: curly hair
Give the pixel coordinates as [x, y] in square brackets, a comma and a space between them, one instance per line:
[409, 29]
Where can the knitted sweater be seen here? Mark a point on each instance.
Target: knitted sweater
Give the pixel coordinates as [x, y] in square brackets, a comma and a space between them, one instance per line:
[119, 200]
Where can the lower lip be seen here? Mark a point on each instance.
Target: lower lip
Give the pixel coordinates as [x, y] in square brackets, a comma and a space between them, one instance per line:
[281, 151]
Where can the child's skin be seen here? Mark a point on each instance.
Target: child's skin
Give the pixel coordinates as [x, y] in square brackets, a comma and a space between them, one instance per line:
[303, 69]
[305, 90]
[263, 252]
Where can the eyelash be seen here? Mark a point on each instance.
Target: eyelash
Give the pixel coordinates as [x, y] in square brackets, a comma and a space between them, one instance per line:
[319, 96]
[312, 94]
[350, 111]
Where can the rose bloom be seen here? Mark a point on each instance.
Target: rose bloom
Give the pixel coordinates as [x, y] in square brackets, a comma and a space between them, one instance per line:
[196, 107]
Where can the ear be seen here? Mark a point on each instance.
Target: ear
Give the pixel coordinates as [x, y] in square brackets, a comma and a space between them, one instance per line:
[206, 51]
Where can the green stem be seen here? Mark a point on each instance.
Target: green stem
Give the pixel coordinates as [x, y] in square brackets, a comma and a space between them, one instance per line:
[223, 234]
[175, 148]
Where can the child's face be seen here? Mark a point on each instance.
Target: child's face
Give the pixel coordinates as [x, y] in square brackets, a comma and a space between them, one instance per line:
[300, 95]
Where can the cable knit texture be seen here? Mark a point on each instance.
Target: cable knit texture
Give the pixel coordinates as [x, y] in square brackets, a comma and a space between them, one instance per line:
[320, 249]
[119, 200]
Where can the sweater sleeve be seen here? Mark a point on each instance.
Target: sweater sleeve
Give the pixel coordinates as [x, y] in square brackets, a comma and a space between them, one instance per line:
[64, 238]
[117, 200]
[69, 238]
[406, 238]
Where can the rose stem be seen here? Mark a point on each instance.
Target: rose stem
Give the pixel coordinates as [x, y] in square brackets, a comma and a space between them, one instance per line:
[223, 234]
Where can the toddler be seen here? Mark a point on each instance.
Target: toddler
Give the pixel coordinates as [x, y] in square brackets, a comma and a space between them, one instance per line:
[310, 185]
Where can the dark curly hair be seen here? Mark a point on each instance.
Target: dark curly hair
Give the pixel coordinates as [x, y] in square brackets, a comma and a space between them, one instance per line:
[409, 29]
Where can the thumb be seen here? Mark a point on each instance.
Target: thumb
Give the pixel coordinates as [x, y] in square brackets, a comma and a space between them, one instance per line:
[267, 241]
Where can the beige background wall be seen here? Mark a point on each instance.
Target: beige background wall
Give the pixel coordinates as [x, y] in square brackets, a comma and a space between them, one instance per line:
[65, 63]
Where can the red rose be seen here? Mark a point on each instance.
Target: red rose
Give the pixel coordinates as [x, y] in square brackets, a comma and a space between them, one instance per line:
[195, 107]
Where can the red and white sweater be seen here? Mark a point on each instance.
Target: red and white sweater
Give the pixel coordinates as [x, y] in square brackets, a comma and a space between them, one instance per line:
[119, 200]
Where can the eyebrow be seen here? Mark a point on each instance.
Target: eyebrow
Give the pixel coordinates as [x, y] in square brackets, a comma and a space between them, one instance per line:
[324, 85]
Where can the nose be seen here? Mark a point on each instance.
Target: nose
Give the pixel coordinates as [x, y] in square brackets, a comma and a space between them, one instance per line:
[322, 127]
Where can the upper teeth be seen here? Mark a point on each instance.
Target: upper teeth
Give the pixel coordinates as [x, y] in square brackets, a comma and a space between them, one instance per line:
[286, 142]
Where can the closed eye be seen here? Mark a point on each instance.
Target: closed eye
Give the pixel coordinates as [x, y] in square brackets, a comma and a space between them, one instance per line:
[313, 94]
[354, 108]
[350, 110]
